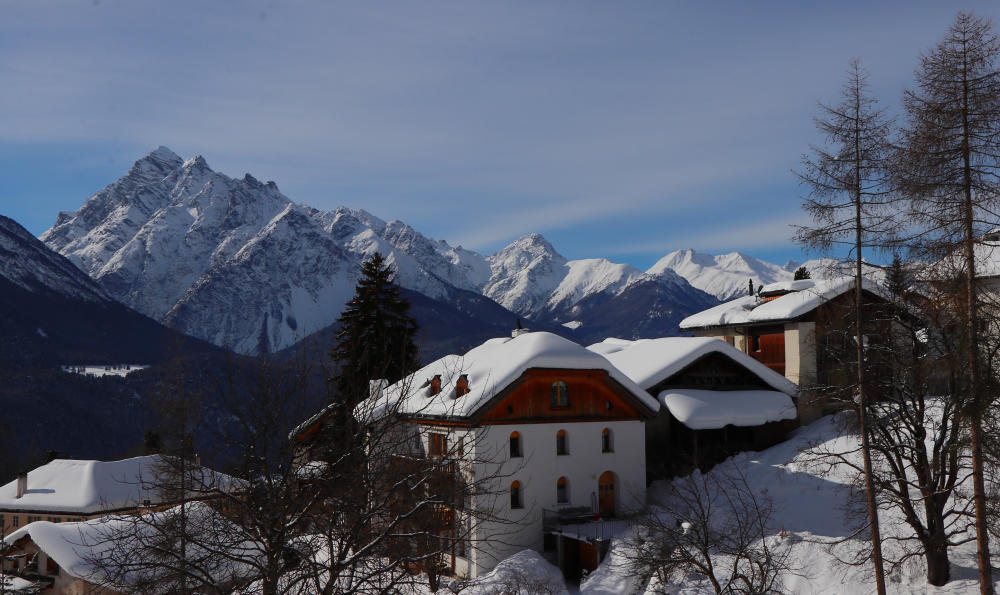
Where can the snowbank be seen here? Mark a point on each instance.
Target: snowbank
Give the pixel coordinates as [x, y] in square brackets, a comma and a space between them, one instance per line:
[525, 572]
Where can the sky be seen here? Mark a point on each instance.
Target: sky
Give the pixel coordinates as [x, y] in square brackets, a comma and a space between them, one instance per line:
[622, 130]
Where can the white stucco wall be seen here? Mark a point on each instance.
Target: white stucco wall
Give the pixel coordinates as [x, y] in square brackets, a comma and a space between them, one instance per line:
[538, 471]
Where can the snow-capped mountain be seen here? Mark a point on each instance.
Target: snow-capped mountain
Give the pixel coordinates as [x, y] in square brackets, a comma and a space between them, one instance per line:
[51, 312]
[595, 297]
[237, 263]
[727, 276]
[29, 264]
[234, 261]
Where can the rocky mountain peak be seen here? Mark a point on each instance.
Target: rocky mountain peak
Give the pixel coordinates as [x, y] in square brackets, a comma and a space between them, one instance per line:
[156, 165]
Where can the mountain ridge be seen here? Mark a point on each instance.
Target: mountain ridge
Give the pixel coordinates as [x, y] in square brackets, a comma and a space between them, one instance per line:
[236, 262]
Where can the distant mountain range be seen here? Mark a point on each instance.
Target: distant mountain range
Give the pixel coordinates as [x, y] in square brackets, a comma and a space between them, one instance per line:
[174, 259]
[51, 312]
[237, 263]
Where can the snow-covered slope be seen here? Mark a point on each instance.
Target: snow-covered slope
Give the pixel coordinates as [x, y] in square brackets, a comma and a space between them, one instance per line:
[529, 277]
[525, 274]
[811, 522]
[29, 264]
[234, 261]
[725, 276]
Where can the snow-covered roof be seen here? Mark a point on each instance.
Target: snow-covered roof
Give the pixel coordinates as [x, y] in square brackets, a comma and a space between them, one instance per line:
[748, 310]
[795, 285]
[651, 361]
[701, 409]
[76, 546]
[489, 369]
[89, 487]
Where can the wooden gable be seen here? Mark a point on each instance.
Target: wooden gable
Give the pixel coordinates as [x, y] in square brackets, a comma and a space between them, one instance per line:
[590, 395]
[713, 371]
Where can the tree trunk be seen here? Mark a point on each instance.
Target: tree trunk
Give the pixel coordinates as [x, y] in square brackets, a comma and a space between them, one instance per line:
[938, 567]
[859, 340]
[974, 410]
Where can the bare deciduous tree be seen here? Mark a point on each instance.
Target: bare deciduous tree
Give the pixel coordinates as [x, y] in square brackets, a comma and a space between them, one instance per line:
[849, 199]
[716, 527]
[949, 167]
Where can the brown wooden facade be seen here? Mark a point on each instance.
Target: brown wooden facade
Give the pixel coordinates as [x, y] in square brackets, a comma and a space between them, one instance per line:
[590, 395]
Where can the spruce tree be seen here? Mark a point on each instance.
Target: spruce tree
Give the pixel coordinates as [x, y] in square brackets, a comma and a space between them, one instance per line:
[801, 273]
[376, 337]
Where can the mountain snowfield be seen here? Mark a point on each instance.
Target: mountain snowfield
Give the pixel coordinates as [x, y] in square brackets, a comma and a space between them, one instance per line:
[727, 276]
[237, 263]
[28, 264]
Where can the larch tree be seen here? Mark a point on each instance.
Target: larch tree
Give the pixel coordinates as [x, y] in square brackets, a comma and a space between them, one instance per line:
[849, 193]
[949, 168]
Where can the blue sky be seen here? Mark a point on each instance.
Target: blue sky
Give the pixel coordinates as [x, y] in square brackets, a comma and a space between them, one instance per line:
[623, 130]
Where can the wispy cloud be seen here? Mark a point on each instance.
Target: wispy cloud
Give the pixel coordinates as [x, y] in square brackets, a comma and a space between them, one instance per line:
[507, 118]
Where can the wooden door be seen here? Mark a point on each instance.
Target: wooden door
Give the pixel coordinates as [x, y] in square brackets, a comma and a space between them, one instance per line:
[770, 351]
[606, 494]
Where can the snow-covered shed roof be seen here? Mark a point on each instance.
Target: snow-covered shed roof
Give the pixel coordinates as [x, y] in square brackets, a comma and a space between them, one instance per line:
[807, 296]
[701, 409]
[651, 361]
[90, 487]
[489, 369]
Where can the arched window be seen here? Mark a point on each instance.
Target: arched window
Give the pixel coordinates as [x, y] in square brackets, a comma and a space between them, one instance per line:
[562, 491]
[606, 445]
[562, 443]
[515, 444]
[516, 500]
[559, 395]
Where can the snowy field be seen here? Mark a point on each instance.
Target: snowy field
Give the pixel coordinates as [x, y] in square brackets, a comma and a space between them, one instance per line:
[102, 370]
[809, 507]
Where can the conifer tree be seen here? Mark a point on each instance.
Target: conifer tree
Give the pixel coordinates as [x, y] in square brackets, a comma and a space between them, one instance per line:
[848, 193]
[801, 273]
[376, 337]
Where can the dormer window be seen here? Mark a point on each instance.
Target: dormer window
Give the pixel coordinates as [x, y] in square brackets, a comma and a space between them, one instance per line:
[559, 395]
[434, 386]
[462, 385]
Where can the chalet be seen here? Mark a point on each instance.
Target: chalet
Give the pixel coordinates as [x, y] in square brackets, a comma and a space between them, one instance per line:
[558, 430]
[782, 327]
[75, 490]
[50, 556]
[714, 399]
[62, 558]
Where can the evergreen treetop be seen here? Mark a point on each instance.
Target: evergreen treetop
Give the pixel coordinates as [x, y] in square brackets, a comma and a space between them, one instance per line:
[376, 336]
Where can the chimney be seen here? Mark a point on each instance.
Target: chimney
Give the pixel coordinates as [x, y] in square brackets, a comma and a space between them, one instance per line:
[519, 330]
[22, 483]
